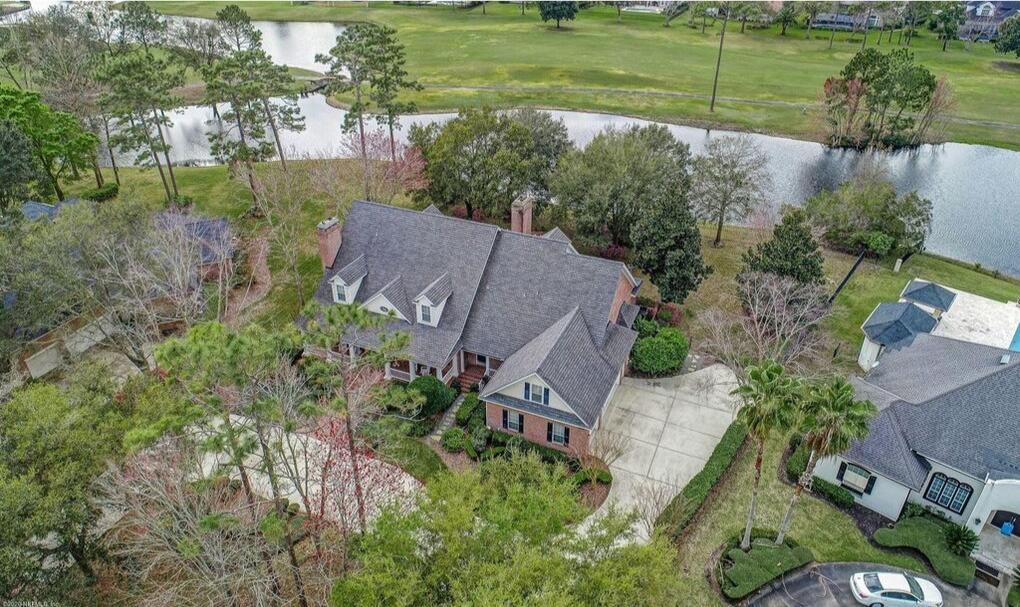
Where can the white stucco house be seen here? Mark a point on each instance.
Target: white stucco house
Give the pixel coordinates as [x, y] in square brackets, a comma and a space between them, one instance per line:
[947, 435]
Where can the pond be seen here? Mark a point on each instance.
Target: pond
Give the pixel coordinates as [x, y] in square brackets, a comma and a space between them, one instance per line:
[974, 189]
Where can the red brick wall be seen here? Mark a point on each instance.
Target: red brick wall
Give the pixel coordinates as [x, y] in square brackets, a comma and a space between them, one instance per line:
[622, 296]
[535, 429]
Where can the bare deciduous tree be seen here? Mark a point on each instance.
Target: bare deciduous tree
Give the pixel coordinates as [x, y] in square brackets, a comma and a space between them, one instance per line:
[605, 447]
[391, 170]
[281, 203]
[729, 181]
[779, 321]
[652, 497]
[184, 539]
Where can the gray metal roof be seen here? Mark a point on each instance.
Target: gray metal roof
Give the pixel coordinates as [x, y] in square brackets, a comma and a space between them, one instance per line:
[947, 400]
[356, 269]
[566, 357]
[892, 323]
[439, 290]
[929, 294]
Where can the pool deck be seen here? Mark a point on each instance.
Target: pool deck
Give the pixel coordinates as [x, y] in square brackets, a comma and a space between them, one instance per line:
[980, 320]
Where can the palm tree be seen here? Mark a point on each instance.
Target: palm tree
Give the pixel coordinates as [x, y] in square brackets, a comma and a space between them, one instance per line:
[831, 419]
[769, 398]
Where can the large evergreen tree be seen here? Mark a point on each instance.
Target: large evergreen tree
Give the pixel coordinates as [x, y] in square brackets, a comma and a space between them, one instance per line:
[791, 251]
[1009, 36]
[19, 169]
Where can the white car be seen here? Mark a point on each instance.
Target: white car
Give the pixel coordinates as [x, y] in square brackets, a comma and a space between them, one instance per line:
[894, 590]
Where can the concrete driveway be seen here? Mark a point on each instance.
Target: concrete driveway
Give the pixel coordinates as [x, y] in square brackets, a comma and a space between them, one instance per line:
[828, 585]
[672, 426]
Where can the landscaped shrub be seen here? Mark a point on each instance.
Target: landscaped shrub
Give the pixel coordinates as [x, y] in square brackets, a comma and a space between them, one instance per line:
[681, 510]
[646, 327]
[745, 572]
[927, 535]
[665, 315]
[438, 395]
[106, 191]
[836, 495]
[600, 475]
[911, 510]
[467, 407]
[454, 440]
[959, 539]
[476, 421]
[662, 354]
[797, 463]
[480, 438]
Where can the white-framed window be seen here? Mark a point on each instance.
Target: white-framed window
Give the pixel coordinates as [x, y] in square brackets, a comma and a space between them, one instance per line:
[513, 421]
[856, 477]
[986, 10]
[559, 434]
[426, 313]
[536, 393]
[339, 293]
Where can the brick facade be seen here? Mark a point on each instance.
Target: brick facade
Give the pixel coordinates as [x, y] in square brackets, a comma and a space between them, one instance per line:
[535, 429]
[623, 295]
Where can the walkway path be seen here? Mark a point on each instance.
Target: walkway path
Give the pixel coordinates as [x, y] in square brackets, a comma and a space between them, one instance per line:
[448, 419]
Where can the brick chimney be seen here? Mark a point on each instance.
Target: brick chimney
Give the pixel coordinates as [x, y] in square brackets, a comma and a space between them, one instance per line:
[520, 213]
[330, 238]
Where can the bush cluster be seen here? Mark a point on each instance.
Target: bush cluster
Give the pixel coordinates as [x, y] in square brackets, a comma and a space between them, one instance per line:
[662, 354]
[454, 440]
[797, 462]
[104, 192]
[836, 495]
[467, 408]
[438, 396]
[745, 572]
[681, 510]
[960, 540]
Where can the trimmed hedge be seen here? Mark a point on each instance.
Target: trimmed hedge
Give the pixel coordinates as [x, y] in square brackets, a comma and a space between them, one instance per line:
[104, 192]
[797, 463]
[681, 510]
[467, 407]
[834, 494]
[661, 354]
[602, 476]
[646, 327]
[438, 395]
[926, 534]
[745, 572]
[454, 440]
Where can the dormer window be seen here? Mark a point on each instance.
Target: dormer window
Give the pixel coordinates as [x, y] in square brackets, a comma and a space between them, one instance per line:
[339, 293]
[986, 10]
[426, 313]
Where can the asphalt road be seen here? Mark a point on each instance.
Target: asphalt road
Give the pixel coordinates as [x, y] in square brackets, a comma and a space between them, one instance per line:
[828, 585]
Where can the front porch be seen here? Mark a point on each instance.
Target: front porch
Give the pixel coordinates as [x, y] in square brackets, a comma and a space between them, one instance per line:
[407, 370]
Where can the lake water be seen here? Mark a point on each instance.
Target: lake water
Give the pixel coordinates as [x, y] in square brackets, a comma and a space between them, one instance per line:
[975, 190]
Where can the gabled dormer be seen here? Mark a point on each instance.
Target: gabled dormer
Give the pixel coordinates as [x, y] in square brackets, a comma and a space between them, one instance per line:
[429, 304]
[391, 299]
[347, 281]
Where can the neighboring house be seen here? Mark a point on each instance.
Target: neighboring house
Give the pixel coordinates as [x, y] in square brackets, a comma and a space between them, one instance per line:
[984, 19]
[841, 21]
[46, 349]
[544, 330]
[947, 435]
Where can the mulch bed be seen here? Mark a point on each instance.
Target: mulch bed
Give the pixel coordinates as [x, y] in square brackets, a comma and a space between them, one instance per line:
[458, 462]
[593, 494]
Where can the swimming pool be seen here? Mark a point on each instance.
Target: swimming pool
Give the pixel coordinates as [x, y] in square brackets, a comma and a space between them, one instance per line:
[1015, 345]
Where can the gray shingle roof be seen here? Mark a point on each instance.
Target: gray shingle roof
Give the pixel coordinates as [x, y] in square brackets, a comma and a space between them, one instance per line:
[556, 234]
[628, 313]
[33, 210]
[947, 400]
[353, 271]
[418, 247]
[530, 284]
[432, 209]
[929, 294]
[566, 357]
[531, 301]
[212, 234]
[439, 290]
[892, 323]
[522, 405]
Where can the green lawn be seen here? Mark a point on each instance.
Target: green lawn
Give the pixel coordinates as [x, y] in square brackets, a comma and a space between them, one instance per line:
[830, 534]
[873, 283]
[768, 83]
[924, 533]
